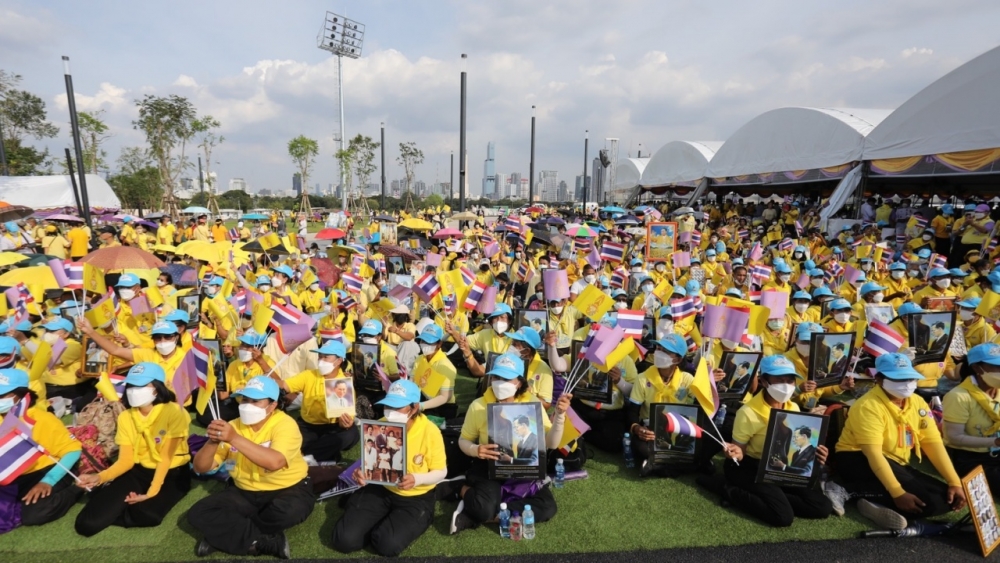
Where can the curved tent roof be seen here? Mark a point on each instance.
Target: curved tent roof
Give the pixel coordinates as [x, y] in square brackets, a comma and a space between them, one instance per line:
[679, 161]
[49, 192]
[629, 172]
[795, 138]
[957, 112]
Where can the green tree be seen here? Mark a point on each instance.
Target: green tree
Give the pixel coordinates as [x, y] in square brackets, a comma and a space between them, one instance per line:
[206, 127]
[363, 148]
[303, 151]
[433, 200]
[345, 157]
[22, 115]
[137, 182]
[236, 199]
[168, 123]
[93, 132]
[409, 157]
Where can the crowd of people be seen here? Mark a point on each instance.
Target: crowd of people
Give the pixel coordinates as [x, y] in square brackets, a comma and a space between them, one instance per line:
[458, 311]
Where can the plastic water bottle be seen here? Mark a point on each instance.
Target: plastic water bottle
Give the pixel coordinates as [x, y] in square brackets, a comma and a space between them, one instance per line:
[528, 528]
[504, 518]
[515, 526]
[560, 474]
[627, 448]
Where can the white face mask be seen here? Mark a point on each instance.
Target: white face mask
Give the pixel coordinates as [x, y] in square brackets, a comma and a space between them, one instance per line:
[842, 318]
[264, 288]
[324, 367]
[166, 347]
[878, 297]
[663, 360]
[797, 256]
[396, 416]
[251, 414]
[500, 327]
[50, 337]
[898, 274]
[900, 389]
[980, 215]
[784, 278]
[503, 389]
[776, 324]
[140, 396]
[990, 378]
[802, 349]
[943, 284]
[660, 267]
[211, 290]
[369, 340]
[729, 344]
[245, 355]
[801, 307]
[558, 310]
[781, 392]
[966, 315]
[636, 268]
[866, 266]
[619, 305]
[314, 287]
[926, 237]
[647, 289]
[277, 282]
[816, 282]
[126, 294]
[538, 295]
[6, 404]
[161, 283]
[590, 278]
[428, 349]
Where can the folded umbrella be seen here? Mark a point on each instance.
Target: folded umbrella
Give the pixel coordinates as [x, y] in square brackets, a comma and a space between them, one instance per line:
[121, 258]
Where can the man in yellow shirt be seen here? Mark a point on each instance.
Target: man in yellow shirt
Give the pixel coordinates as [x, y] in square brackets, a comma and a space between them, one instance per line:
[219, 232]
[79, 243]
[201, 231]
[128, 235]
[166, 231]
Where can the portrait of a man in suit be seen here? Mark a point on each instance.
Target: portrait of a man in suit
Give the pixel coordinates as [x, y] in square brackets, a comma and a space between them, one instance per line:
[803, 454]
[524, 446]
[938, 338]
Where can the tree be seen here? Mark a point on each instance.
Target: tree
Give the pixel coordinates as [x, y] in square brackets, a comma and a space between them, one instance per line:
[303, 151]
[409, 157]
[22, 114]
[137, 182]
[433, 200]
[236, 199]
[346, 159]
[168, 123]
[363, 148]
[206, 126]
[92, 133]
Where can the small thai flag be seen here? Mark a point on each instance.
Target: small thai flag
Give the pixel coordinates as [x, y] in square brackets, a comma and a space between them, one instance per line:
[587, 341]
[348, 303]
[631, 321]
[743, 234]
[799, 229]
[836, 269]
[115, 300]
[118, 381]
[900, 240]
[920, 221]
[677, 424]
[286, 315]
[18, 452]
[990, 247]
[467, 276]
[681, 309]
[513, 224]
[201, 363]
[24, 294]
[331, 334]
[760, 272]
[427, 287]
[449, 303]
[487, 238]
[858, 242]
[786, 244]
[881, 339]
[887, 258]
[618, 281]
[938, 261]
[381, 265]
[695, 238]
[239, 301]
[352, 282]
[475, 295]
[74, 272]
[699, 306]
[581, 244]
[522, 271]
[755, 297]
[234, 234]
[612, 251]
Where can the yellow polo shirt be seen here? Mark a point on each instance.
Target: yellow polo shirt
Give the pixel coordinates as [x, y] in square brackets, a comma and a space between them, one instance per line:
[313, 388]
[750, 426]
[871, 423]
[435, 375]
[51, 434]
[279, 433]
[165, 421]
[674, 391]
[474, 428]
[424, 453]
[961, 408]
[238, 373]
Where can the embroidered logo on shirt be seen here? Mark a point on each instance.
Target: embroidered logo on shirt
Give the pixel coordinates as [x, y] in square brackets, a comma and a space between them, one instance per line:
[418, 459]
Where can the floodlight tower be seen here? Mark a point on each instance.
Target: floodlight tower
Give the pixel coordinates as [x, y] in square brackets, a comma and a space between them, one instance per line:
[344, 38]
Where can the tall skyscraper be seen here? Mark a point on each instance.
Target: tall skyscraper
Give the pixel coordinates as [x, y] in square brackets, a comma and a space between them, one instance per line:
[238, 185]
[297, 184]
[578, 189]
[514, 190]
[489, 172]
[548, 181]
[501, 185]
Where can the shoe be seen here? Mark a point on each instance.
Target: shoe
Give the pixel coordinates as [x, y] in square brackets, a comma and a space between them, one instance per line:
[276, 546]
[838, 496]
[203, 549]
[883, 517]
[646, 469]
[459, 520]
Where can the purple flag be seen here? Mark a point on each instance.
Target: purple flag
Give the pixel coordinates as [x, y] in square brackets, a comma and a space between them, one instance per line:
[400, 292]
[725, 323]
[488, 302]
[555, 284]
[605, 341]
[776, 301]
[594, 257]
[59, 272]
[140, 305]
[185, 378]
[58, 347]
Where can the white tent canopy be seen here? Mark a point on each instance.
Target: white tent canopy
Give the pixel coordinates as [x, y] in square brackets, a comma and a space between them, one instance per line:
[629, 172]
[679, 161]
[795, 138]
[955, 113]
[48, 192]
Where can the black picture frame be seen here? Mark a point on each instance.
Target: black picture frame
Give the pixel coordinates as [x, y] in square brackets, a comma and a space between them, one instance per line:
[385, 435]
[595, 386]
[785, 461]
[396, 266]
[930, 344]
[503, 423]
[736, 383]
[536, 319]
[363, 358]
[830, 356]
[191, 303]
[675, 449]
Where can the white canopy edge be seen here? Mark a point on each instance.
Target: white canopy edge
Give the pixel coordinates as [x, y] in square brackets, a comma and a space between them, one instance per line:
[629, 172]
[679, 161]
[49, 192]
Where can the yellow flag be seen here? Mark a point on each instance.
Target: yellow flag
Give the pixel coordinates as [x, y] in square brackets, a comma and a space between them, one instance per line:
[758, 320]
[695, 335]
[204, 394]
[711, 299]
[385, 305]
[261, 318]
[989, 307]
[269, 241]
[863, 251]
[663, 291]
[4, 311]
[93, 279]
[593, 302]
[878, 254]
[527, 237]
[40, 361]
[701, 387]
[308, 277]
[618, 354]
[106, 388]
[154, 296]
[101, 314]
[219, 310]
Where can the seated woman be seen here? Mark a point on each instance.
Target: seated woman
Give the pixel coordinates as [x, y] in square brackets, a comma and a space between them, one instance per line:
[270, 491]
[151, 474]
[873, 454]
[971, 421]
[480, 496]
[776, 505]
[45, 489]
[391, 518]
[249, 363]
[435, 374]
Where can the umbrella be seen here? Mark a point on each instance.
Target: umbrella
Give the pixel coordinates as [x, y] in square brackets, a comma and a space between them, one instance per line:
[40, 275]
[37, 259]
[534, 210]
[447, 233]
[196, 209]
[11, 258]
[183, 276]
[628, 220]
[165, 248]
[157, 215]
[255, 217]
[330, 233]
[393, 250]
[10, 212]
[612, 209]
[580, 231]
[554, 221]
[325, 271]
[65, 218]
[416, 225]
[464, 216]
[254, 246]
[147, 224]
[199, 250]
[635, 231]
[384, 219]
[121, 258]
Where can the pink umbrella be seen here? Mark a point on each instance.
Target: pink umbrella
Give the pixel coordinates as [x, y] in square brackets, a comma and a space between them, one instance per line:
[447, 233]
[64, 217]
[330, 233]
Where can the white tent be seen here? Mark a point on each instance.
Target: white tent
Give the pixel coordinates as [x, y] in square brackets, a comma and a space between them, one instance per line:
[678, 162]
[795, 138]
[629, 172]
[49, 192]
[957, 112]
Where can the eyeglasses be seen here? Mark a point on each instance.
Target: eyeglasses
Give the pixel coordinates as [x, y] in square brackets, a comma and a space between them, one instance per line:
[162, 337]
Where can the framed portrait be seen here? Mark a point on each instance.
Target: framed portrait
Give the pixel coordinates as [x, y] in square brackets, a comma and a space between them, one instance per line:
[661, 240]
[740, 368]
[93, 359]
[674, 448]
[931, 334]
[574, 355]
[219, 361]
[882, 312]
[982, 509]
[383, 451]
[648, 336]
[789, 455]
[566, 251]
[395, 265]
[595, 386]
[191, 304]
[792, 336]
[941, 303]
[537, 320]
[483, 384]
[365, 356]
[395, 280]
[71, 313]
[340, 397]
[518, 430]
[417, 269]
[830, 356]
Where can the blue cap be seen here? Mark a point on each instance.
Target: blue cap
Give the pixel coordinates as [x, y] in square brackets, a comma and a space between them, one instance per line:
[502, 309]
[144, 373]
[217, 280]
[822, 291]
[737, 262]
[803, 295]
[679, 290]
[692, 286]
[897, 367]
[9, 345]
[673, 343]
[777, 365]
[939, 272]
[947, 209]
[839, 304]
[507, 366]
[782, 268]
[371, 328]
[897, 266]
[636, 262]
[431, 334]
[615, 294]
[127, 219]
[252, 338]
[24, 326]
[263, 280]
[283, 269]
[800, 248]
[845, 228]
[837, 250]
[332, 348]
[865, 259]
[870, 287]
[909, 308]
[850, 240]
[924, 253]
[710, 252]
[177, 316]
[127, 280]
[695, 258]
[733, 292]
[970, 303]
[665, 311]
[529, 336]
[58, 324]
[401, 393]
[816, 273]
[988, 353]
[11, 379]
[957, 272]
[163, 327]
[805, 330]
[260, 387]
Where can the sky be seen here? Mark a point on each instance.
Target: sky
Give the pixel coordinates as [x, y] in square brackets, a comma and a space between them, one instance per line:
[645, 71]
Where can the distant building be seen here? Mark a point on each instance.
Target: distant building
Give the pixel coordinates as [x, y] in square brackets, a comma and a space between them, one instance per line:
[548, 182]
[489, 172]
[420, 188]
[265, 193]
[564, 194]
[297, 184]
[597, 185]
[238, 185]
[396, 188]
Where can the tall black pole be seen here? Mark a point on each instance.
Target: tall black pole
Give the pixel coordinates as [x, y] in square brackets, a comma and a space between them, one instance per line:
[451, 181]
[461, 144]
[72, 180]
[531, 166]
[381, 204]
[75, 125]
[201, 178]
[3, 154]
[586, 140]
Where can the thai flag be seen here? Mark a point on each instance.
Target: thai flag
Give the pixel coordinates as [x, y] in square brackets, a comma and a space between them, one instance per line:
[285, 315]
[612, 251]
[348, 303]
[427, 287]
[900, 240]
[799, 228]
[618, 281]
[513, 224]
[681, 309]
[677, 424]
[699, 306]
[882, 339]
[487, 238]
[352, 282]
[938, 261]
[581, 244]
[920, 221]
[991, 245]
[836, 269]
[755, 297]
[74, 272]
[207, 278]
[475, 295]
[239, 301]
[467, 276]
[327, 335]
[786, 244]
[25, 295]
[381, 265]
[18, 451]
[201, 363]
[587, 341]
[522, 271]
[234, 234]
[114, 299]
[743, 234]
[449, 303]
[760, 272]
[631, 321]
[695, 238]
[887, 258]
[118, 381]
[20, 410]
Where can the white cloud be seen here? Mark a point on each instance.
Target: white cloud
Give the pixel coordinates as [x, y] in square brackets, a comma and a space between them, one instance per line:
[108, 97]
[856, 64]
[921, 51]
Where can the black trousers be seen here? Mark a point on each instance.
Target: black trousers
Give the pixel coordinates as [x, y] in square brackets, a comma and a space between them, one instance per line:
[482, 500]
[233, 519]
[50, 508]
[81, 393]
[107, 505]
[325, 441]
[607, 427]
[445, 411]
[389, 522]
[859, 479]
[965, 461]
[229, 409]
[775, 505]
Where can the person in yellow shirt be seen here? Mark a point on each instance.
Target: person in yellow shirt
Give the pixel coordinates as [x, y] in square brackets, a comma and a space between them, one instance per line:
[128, 236]
[312, 298]
[939, 286]
[200, 231]
[972, 415]
[435, 375]
[271, 491]
[45, 490]
[79, 243]
[165, 233]
[244, 231]
[166, 351]
[53, 243]
[151, 474]
[219, 232]
[492, 340]
[391, 518]
[61, 379]
[941, 224]
[775, 338]
[801, 310]
[897, 290]
[974, 231]
[281, 280]
[873, 454]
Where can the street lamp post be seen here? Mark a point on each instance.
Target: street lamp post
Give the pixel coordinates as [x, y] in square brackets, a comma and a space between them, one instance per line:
[451, 181]
[77, 145]
[531, 166]
[461, 141]
[586, 141]
[382, 203]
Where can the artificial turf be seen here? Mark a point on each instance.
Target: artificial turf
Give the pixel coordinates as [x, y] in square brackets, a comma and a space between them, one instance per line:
[611, 511]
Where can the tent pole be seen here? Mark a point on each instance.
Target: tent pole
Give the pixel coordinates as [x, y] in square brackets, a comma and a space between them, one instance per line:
[72, 178]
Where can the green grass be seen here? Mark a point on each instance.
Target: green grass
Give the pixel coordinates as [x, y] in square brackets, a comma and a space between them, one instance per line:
[613, 510]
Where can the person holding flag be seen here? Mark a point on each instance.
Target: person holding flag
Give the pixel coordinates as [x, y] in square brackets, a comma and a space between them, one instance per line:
[165, 352]
[217, 315]
[45, 489]
[61, 378]
[250, 362]
[134, 326]
[151, 474]
[435, 375]
[492, 340]
[180, 319]
[972, 415]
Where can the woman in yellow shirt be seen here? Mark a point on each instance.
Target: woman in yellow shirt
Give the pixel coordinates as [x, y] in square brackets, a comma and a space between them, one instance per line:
[271, 491]
[392, 518]
[151, 474]
[972, 415]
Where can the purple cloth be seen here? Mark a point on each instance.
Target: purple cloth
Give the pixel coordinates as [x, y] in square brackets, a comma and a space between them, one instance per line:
[10, 509]
[517, 489]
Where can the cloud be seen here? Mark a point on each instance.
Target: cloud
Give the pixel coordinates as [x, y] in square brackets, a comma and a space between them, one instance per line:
[916, 51]
[856, 64]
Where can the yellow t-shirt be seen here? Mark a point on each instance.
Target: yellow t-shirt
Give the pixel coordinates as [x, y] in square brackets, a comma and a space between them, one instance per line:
[51, 434]
[64, 372]
[750, 426]
[435, 375]
[165, 234]
[474, 428]
[238, 373]
[960, 407]
[486, 341]
[169, 365]
[79, 242]
[313, 388]
[424, 453]
[165, 421]
[646, 390]
[279, 433]
[871, 423]
[540, 378]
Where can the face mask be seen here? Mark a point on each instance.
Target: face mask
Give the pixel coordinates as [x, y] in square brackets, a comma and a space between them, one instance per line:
[211, 290]
[711, 258]
[369, 340]
[314, 287]
[898, 274]
[776, 324]
[802, 349]
[140, 396]
[913, 273]
[557, 310]
[166, 348]
[251, 414]
[966, 315]
[619, 305]
[926, 237]
[264, 288]
[878, 297]
[990, 378]
[160, 283]
[503, 389]
[660, 267]
[842, 318]
[245, 356]
[899, 389]
[662, 360]
[636, 269]
[866, 267]
[325, 367]
[781, 392]
[943, 284]
[591, 278]
[277, 282]
[428, 349]
[784, 278]
[500, 327]
[6, 404]
[816, 282]
[801, 307]
[980, 215]
[647, 289]
[126, 294]
[50, 337]
[797, 256]
[396, 416]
